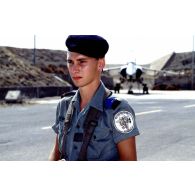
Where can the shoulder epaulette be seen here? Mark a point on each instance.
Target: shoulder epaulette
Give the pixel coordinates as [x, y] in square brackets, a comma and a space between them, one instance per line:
[111, 102]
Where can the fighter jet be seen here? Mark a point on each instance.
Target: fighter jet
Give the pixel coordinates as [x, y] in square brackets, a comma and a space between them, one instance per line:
[133, 75]
[129, 73]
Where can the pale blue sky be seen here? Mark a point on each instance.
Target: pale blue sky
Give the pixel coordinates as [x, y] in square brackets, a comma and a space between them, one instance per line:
[141, 30]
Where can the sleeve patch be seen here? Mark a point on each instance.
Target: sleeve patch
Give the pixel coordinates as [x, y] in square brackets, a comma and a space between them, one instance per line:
[124, 121]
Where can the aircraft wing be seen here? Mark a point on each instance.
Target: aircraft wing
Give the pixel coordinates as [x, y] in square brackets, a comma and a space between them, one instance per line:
[155, 72]
[131, 68]
[116, 67]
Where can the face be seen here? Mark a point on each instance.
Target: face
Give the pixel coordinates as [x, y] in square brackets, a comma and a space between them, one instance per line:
[83, 69]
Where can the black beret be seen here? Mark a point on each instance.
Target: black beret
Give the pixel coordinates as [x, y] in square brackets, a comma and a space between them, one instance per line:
[89, 45]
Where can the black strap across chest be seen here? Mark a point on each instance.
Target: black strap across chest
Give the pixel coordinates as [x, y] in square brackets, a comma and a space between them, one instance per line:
[67, 122]
[89, 127]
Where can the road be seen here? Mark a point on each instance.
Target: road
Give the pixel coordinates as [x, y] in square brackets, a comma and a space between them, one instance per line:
[165, 119]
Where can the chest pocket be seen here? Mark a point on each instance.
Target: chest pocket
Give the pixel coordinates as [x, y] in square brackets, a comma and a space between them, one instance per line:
[101, 139]
[101, 134]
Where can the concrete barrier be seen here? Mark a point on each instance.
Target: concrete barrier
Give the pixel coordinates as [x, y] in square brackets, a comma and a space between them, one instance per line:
[36, 92]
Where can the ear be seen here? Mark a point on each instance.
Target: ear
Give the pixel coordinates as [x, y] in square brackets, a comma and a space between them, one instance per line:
[101, 64]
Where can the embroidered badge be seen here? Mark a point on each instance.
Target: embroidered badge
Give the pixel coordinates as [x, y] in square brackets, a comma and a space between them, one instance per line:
[124, 121]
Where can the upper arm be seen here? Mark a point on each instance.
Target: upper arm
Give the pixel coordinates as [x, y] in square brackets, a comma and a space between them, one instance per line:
[125, 130]
[127, 149]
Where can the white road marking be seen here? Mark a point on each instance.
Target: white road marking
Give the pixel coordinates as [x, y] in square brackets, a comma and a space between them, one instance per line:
[46, 128]
[148, 112]
[54, 101]
[189, 106]
[146, 102]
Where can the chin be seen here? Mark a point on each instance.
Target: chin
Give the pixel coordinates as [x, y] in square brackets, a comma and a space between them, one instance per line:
[81, 83]
[77, 84]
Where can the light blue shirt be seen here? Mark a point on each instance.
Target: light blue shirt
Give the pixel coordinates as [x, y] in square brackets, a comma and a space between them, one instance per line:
[114, 125]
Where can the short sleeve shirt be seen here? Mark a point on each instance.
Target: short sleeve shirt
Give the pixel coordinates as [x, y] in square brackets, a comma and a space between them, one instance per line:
[114, 125]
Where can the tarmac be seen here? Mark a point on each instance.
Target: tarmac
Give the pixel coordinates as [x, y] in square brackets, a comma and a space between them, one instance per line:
[153, 94]
[160, 94]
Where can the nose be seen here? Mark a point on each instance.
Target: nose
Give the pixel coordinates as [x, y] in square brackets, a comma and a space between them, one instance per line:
[75, 68]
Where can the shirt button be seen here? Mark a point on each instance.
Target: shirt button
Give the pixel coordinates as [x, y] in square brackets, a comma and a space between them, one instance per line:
[78, 126]
[94, 137]
[75, 147]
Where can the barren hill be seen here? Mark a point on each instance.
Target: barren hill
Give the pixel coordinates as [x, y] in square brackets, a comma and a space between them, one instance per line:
[17, 68]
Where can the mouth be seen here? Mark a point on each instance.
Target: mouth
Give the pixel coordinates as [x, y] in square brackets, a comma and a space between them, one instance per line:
[76, 78]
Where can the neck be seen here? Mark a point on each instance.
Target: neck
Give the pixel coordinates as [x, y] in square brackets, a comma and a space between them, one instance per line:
[87, 92]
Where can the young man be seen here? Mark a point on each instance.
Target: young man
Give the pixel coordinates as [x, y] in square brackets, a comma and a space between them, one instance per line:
[110, 130]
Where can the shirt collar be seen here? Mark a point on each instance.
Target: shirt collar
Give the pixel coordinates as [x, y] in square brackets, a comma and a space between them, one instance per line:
[76, 99]
[97, 101]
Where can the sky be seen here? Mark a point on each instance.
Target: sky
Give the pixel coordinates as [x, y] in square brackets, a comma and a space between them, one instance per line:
[137, 30]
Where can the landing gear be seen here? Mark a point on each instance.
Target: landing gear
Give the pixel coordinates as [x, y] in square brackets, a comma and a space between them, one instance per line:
[130, 91]
[117, 88]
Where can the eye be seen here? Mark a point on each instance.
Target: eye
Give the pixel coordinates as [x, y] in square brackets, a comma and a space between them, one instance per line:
[69, 62]
[82, 62]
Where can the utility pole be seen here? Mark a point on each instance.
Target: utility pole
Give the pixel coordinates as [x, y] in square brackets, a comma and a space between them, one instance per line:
[193, 64]
[34, 51]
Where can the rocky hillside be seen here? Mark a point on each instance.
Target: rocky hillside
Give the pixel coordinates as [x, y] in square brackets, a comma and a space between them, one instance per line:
[17, 67]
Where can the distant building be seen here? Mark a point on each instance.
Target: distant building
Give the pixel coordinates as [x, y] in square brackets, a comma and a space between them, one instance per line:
[173, 71]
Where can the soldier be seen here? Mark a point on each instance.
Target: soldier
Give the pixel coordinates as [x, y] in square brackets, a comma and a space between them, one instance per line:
[93, 124]
[145, 88]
